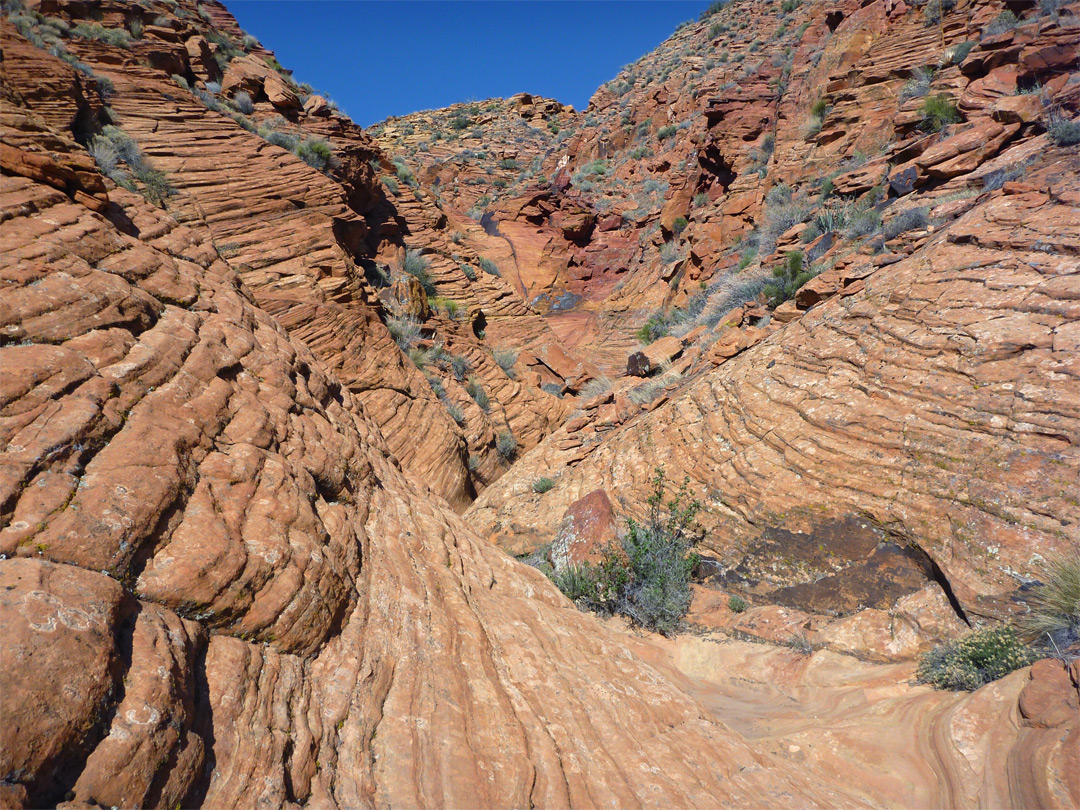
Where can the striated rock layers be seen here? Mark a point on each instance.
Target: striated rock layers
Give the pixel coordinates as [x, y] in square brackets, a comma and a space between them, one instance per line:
[220, 589]
[235, 437]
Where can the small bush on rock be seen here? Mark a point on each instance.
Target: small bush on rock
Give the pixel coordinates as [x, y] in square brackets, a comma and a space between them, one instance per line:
[938, 112]
[736, 604]
[646, 577]
[1054, 617]
[974, 660]
[1061, 130]
[506, 444]
[542, 485]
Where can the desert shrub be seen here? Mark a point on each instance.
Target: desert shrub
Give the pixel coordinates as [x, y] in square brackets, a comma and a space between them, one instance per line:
[654, 328]
[800, 643]
[910, 220]
[595, 387]
[736, 604]
[456, 412]
[404, 173]
[460, 366]
[476, 390]
[404, 331]
[542, 485]
[244, 103]
[249, 42]
[506, 444]
[975, 659]
[488, 266]
[577, 582]
[315, 152]
[938, 112]
[1061, 130]
[508, 163]
[959, 52]
[680, 224]
[918, 85]
[121, 160]
[136, 28]
[657, 594]
[713, 7]
[865, 222]
[665, 132]
[1054, 608]
[787, 279]
[416, 265]
[555, 389]
[391, 184]
[1005, 21]
[470, 274]
[933, 9]
[646, 576]
[181, 82]
[117, 37]
[506, 358]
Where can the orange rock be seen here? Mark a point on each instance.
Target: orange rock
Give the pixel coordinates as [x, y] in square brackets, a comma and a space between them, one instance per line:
[587, 529]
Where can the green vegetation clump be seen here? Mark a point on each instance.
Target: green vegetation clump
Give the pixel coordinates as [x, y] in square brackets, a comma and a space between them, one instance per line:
[1053, 620]
[506, 358]
[787, 279]
[117, 37]
[113, 150]
[1061, 130]
[938, 112]
[416, 266]
[542, 485]
[666, 132]
[476, 390]
[506, 444]
[975, 659]
[1005, 21]
[713, 7]
[736, 604]
[654, 328]
[488, 266]
[646, 576]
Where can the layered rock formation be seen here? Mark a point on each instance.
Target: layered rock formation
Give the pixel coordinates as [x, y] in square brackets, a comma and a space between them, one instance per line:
[237, 430]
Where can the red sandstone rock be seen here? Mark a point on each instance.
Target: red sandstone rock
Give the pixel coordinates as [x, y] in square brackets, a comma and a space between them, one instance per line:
[587, 529]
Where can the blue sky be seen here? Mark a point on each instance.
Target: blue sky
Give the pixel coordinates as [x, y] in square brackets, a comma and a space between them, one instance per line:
[378, 58]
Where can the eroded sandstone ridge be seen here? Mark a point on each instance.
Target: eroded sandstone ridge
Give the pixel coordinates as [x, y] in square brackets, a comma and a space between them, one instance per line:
[233, 571]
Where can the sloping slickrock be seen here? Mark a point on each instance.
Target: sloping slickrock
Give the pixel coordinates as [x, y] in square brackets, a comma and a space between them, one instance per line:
[233, 571]
[940, 401]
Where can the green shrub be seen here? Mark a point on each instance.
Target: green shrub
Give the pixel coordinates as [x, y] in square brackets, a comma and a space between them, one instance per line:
[479, 395]
[577, 582]
[654, 328]
[800, 643]
[975, 659]
[117, 37]
[1005, 21]
[680, 224]
[933, 9]
[910, 220]
[1054, 609]
[114, 147]
[787, 279]
[506, 444]
[555, 389]
[736, 604]
[665, 132]
[938, 112]
[391, 185]
[404, 331]
[713, 7]
[506, 358]
[489, 267]
[243, 103]
[315, 152]
[460, 365]
[865, 222]
[1061, 130]
[542, 485]
[456, 412]
[416, 265]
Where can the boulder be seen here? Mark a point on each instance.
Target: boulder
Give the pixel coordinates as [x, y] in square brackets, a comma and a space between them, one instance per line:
[639, 365]
[587, 528]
